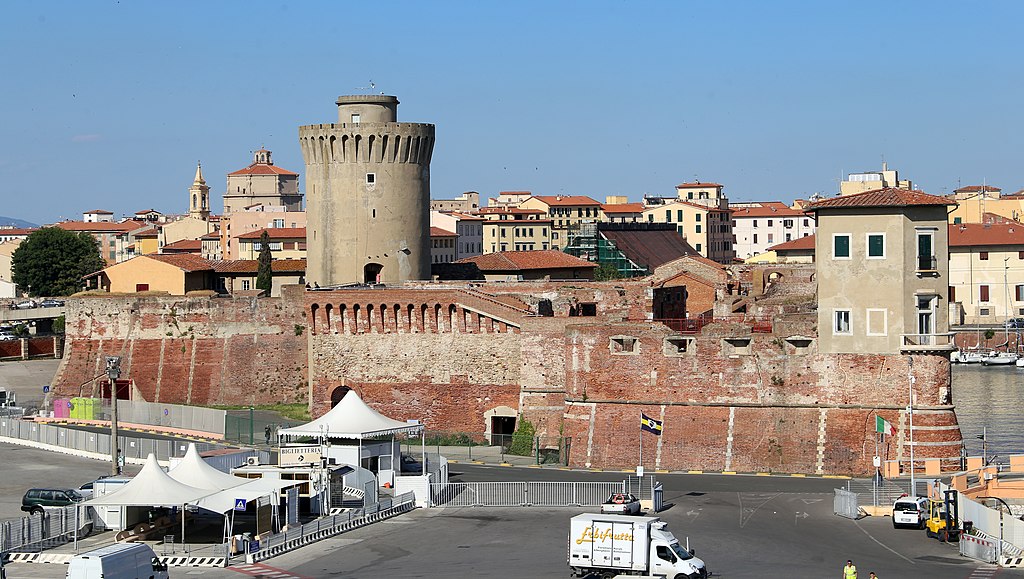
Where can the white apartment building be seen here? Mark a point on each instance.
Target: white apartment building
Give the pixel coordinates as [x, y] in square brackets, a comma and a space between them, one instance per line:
[760, 225]
[468, 228]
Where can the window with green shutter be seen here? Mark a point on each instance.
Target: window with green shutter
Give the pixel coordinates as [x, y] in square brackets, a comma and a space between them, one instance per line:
[876, 245]
[841, 246]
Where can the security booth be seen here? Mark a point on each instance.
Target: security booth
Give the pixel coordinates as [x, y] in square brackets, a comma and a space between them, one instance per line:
[353, 434]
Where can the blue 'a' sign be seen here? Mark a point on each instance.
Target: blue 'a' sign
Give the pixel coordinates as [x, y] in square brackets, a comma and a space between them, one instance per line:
[240, 504]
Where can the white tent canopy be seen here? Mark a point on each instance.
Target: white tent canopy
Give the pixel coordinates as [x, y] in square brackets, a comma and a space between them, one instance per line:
[352, 419]
[152, 487]
[224, 501]
[194, 471]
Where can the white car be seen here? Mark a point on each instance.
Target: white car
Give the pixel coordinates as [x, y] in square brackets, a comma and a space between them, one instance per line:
[909, 511]
[621, 504]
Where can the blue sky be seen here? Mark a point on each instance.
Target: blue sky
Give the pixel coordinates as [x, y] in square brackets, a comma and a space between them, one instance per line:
[109, 105]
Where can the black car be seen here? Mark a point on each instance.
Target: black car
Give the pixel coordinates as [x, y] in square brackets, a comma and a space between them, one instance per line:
[35, 499]
[1014, 323]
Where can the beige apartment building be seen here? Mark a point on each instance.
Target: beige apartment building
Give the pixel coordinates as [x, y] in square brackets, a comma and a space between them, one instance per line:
[978, 203]
[873, 180]
[986, 272]
[566, 213]
[707, 229]
[514, 229]
[252, 219]
[442, 245]
[894, 241]
[285, 243]
[467, 202]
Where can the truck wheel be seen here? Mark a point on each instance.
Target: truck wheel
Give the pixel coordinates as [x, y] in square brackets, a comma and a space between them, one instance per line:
[930, 534]
[608, 574]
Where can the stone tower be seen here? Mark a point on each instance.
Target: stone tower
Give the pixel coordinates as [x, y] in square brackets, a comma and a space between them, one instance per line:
[199, 196]
[368, 194]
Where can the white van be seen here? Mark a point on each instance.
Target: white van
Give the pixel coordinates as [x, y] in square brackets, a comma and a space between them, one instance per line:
[909, 511]
[120, 561]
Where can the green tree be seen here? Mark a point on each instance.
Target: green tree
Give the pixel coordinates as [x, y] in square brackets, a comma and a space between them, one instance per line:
[605, 272]
[58, 325]
[52, 261]
[264, 279]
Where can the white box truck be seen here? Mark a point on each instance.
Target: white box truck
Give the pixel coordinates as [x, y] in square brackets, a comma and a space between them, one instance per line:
[120, 561]
[611, 545]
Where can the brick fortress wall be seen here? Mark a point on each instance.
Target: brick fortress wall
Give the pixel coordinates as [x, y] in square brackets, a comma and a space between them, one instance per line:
[190, 350]
[731, 399]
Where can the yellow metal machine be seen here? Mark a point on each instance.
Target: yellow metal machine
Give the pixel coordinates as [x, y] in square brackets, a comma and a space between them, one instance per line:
[943, 517]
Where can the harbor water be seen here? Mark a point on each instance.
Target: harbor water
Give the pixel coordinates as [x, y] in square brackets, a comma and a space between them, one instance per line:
[988, 398]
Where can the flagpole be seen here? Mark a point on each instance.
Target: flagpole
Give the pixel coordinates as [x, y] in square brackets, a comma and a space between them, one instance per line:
[641, 440]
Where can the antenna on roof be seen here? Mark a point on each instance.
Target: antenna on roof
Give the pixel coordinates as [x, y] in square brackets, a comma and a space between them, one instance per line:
[369, 88]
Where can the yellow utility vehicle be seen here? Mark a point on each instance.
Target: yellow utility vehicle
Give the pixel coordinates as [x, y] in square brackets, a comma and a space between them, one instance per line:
[943, 518]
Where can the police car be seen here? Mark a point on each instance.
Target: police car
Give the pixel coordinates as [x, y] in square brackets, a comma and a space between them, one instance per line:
[909, 511]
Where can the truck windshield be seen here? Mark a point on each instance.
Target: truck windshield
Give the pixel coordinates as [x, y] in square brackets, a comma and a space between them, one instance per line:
[680, 552]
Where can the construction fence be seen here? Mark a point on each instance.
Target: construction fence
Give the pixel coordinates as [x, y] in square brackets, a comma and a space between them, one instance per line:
[468, 447]
[187, 418]
[54, 527]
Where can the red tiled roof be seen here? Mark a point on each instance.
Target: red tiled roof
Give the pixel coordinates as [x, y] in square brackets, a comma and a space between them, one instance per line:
[145, 211]
[252, 266]
[770, 209]
[210, 235]
[695, 185]
[262, 169]
[100, 227]
[888, 197]
[987, 234]
[514, 193]
[276, 233]
[151, 231]
[186, 262]
[564, 200]
[526, 260]
[800, 243]
[184, 245]
[977, 189]
[622, 207]
[671, 200]
[16, 231]
[438, 232]
[100, 212]
[465, 216]
[509, 210]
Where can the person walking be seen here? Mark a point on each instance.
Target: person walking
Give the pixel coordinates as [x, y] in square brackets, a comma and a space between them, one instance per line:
[872, 575]
[850, 570]
[266, 433]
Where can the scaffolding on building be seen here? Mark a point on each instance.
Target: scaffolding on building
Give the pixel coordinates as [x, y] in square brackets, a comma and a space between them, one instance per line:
[586, 242]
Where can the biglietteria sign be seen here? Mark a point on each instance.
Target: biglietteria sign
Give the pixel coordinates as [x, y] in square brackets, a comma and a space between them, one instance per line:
[298, 455]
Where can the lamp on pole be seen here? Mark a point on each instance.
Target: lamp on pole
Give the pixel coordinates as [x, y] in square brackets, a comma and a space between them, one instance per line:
[910, 412]
[113, 373]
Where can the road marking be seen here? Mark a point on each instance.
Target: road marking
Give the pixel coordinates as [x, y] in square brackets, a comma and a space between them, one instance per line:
[261, 570]
[986, 571]
[766, 499]
[883, 545]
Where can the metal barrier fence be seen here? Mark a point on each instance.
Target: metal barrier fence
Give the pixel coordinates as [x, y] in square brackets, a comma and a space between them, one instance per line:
[328, 526]
[523, 494]
[69, 438]
[206, 420]
[978, 548]
[517, 448]
[38, 532]
[845, 504]
[994, 523]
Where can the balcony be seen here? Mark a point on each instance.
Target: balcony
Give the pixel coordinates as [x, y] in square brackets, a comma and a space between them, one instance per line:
[927, 265]
[913, 343]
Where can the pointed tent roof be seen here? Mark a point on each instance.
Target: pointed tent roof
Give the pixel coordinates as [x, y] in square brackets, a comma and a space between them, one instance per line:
[152, 487]
[351, 418]
[196, 472]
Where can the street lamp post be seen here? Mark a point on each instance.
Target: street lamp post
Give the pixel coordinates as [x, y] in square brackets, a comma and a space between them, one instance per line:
[113, 373]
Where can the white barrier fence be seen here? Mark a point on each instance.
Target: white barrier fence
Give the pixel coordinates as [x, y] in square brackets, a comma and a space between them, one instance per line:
[994, 523]
[523, 494]
[37, 532]
[329, 526]
[978, 548]
[845, 504]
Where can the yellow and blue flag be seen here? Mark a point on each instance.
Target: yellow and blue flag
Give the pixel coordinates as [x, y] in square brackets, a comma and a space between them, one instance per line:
[650, 425]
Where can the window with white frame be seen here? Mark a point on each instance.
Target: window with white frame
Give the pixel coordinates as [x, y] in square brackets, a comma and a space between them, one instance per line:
[876, 245]
[840, 246]
[371, 178]
[841, 323]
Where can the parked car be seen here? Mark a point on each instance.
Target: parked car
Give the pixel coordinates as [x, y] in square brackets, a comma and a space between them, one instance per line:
[1014, 323]
[51, 303]
[87, 489]
[909, 511]
[621, 504]
[7, 336]
[24, 305]
[35, 499]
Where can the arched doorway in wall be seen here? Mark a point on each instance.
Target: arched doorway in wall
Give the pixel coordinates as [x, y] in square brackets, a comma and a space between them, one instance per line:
[371, 272]
[500, 425]
[337, 394]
